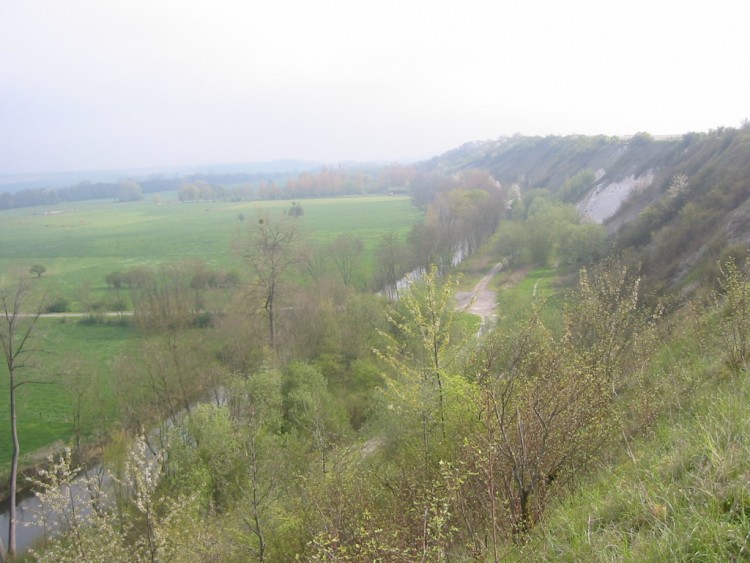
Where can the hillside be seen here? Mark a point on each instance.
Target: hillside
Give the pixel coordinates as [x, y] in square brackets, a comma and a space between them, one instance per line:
[680, 203]
[679, 209]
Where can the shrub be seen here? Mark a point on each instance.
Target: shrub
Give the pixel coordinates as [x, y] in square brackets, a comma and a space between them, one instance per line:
[57, 305]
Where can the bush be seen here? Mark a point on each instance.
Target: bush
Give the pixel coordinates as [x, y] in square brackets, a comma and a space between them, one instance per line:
[204, 319]
[57, 305]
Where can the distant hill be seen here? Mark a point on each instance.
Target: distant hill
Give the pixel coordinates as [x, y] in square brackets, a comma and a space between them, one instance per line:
[678, 203]
[54, 180]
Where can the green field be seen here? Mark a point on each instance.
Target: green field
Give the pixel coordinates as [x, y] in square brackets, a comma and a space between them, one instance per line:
[76, 358]
[80, 243]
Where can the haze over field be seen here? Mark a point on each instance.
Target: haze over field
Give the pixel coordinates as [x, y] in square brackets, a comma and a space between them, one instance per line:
[98, 85]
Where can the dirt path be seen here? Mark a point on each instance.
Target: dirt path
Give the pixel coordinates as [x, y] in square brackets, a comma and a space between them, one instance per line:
[480, 301]
[76, 315]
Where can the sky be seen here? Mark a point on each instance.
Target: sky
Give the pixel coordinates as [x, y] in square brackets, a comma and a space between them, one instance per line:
[117, 84]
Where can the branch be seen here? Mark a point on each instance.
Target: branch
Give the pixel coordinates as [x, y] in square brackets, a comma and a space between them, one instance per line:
[34, 382]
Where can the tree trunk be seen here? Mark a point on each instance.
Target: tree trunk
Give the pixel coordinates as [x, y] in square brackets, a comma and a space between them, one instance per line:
[13, 471]
[13, 340]
[271, 321]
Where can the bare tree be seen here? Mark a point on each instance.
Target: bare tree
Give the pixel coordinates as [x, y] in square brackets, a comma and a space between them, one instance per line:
[270, 251]
[345, 251]
[16, 329]
[390, 256]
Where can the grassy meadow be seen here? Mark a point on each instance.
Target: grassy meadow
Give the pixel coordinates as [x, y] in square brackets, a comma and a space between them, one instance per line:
[76, 361]
[80, 243]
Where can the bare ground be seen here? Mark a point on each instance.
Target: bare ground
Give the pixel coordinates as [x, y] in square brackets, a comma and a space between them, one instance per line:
[481, 300]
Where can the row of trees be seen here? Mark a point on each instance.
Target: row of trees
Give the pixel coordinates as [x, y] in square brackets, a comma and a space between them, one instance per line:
[126, 190]
[130, 189]
[327, 182]
[461, 215]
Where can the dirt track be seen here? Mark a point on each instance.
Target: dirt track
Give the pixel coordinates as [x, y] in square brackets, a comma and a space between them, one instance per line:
[480, 301]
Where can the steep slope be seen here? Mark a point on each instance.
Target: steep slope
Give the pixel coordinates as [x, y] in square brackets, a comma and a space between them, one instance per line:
[678, 202]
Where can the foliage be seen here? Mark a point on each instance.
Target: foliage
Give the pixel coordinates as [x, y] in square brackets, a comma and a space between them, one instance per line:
[458, 221]
[681, 495]
[141, 526]
[296, 210]
[419, 352]
[576, 186]
[72, 512]
[544, 231]
[734, 300]
[545, 416]
[271, 250]
[310, 411]
[609, 327]
[346, 251]
[278, 182]
[38, 270]
[129, 190]
[57, 304]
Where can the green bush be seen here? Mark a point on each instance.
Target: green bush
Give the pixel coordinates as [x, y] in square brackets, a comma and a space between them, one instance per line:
[57, 305]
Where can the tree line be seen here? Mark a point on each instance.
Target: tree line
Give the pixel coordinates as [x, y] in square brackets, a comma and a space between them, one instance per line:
[123, 190]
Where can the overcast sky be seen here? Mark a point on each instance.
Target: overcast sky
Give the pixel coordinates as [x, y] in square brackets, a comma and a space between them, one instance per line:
[100, 84]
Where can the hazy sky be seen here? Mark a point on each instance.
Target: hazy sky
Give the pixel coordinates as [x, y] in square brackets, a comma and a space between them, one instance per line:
[104, 84]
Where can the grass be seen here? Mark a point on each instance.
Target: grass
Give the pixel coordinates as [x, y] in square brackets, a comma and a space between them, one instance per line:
[71, 356]
[682, 497]
[519, 289]
[680, 491]
[82, 242]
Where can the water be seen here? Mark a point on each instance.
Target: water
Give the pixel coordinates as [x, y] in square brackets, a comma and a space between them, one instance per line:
[28, 506]
[26, 534]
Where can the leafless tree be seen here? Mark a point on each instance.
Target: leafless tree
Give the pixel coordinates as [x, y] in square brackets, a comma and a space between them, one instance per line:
[345, 251]
[16, 328]
[271, 250]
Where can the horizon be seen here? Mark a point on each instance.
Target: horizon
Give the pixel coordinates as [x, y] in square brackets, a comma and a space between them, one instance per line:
[202, 168]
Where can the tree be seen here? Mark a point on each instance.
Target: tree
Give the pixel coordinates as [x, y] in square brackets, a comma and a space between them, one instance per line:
[311, 412]
[609, 328]
[37, 269]
[270, 251]
[16, 329]
[545, 415]
[188, 192]
[256, 406]
[734, 302]
[391, 257]
[129, 191]
[296, 210]
[418, 351]
[345, 250]
[144, 527]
